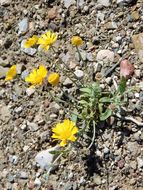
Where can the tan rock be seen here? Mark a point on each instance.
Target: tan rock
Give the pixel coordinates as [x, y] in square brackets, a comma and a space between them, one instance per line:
[138, 44]
[135, 15]
[4, 113]
[52, 13]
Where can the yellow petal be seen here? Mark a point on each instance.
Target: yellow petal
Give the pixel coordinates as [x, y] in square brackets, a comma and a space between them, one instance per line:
[63, 143]
[72, 138]
[11, 73]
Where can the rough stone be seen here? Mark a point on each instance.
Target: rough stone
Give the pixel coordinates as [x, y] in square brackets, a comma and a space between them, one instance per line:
[33, 126]
[23, 26]
[5, 2]
[3, 71]
[97, 180]
[30, 91]
[23, 175]
[37, 182]
[68, 3]
[52, 13]
[105, 56]
[132, 147]
[111, 25]
[126, 2]
[140, 162]
[4, 113]
[67, 82]
[133, 164]
[105, 3]
[81, 2]
[138, 43]
[45, 158]
[79, 74]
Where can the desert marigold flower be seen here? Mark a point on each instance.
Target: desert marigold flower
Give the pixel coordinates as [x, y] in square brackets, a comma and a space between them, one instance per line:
[46, 40]
[65, 132]
[31, 42]
[76, 41]
[37, 76]
[54, 79]
[11, 73]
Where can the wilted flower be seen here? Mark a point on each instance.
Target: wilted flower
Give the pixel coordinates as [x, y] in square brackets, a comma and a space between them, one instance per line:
[37, 76]
[47, 40]
[54, 78]
[31, 42]
[11, 73]
[76, 41]
[126, 69]
[65, 132]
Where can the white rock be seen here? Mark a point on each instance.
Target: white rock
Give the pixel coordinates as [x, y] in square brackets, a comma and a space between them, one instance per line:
[80, 2]
[25, 148]
[122, 2]
[19, 109]
[68, 3]
[37, 182]
[140, 162]
[5, 2]
[119, 1]
[23, 26]
[3, 71]
[29, 51]
[3, 62]
[30, 91]
[45, 158]
[24, 74]
[105, 56]
[33, 126]
[105, 3]
[79, 74]
[19, 68]
[89, 56]
[5, 114]
[67, 82]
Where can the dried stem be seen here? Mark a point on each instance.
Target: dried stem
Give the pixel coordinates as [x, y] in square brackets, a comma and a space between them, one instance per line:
[93, 138]
[129, 118]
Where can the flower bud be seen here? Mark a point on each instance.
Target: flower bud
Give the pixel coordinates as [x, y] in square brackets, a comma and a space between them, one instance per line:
[54, 79]
[126, 69]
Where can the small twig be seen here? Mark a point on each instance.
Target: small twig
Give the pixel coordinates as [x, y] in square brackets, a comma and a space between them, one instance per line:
[109, 71]
[129, 118]
[93, 138]
[48, 172]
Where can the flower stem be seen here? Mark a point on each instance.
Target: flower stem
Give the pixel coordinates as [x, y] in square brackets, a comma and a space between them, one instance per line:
[68, 70]
[81, 58]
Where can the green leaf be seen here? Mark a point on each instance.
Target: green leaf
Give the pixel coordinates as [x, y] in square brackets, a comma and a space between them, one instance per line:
[122, 85]
[106, 114]
[56, 152]
[83, 102]
[105, 99]
[86, 90]
[100, 107]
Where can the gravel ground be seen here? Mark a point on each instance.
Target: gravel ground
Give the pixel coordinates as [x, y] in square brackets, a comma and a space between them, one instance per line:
[110, 30]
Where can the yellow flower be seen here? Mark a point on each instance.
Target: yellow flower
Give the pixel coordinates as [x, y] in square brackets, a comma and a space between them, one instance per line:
[47, 40]
[37, 76]
[76, 41]
[11, 73]
[54, 79]
[31, 42]
[65, 132]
